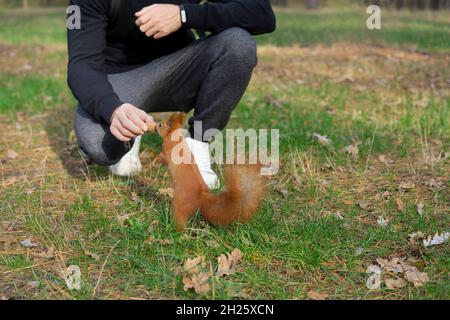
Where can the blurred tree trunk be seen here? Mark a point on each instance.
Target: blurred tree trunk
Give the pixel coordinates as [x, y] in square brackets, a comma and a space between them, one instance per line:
[399, 4]
[25, 5]
[435, 4]
[312, 4]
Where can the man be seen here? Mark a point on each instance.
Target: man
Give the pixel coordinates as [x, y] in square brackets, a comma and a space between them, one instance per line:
[137, 56]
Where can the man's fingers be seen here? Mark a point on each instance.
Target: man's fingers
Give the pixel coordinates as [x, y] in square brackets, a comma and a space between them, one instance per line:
[125, 132]
[130, 127]
[144, 116]
[151, 32]
[146, 26]
[138, 122]
[118, 135]
[143, 19]
[159, 35]
[142, 11]
[145, 12]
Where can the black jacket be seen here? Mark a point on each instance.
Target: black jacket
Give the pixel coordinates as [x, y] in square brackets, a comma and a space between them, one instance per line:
[107, 45]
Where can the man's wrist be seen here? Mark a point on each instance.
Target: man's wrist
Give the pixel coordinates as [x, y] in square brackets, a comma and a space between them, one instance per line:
[183, 15]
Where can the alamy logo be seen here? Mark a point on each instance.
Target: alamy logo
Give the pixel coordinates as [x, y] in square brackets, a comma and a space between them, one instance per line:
[231, 147]
[73, 18]
[374, 20]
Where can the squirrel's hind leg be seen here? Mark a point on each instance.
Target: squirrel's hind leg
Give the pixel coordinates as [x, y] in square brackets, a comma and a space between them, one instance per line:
[182, 210]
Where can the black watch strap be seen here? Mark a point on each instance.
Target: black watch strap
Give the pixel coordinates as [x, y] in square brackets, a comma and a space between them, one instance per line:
[183, 14]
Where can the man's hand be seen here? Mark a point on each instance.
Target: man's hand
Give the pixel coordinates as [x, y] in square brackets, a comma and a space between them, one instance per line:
[128, 122]
[159, 20]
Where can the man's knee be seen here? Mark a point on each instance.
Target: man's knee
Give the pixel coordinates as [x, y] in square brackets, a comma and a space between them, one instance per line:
[98, 156]
[239, 46]
[96, 142]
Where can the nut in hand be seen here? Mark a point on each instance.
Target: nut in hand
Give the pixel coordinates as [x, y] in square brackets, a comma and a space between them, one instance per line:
[151, 128]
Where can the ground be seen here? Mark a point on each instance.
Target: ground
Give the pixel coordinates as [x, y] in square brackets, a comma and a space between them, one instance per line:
[381, 98]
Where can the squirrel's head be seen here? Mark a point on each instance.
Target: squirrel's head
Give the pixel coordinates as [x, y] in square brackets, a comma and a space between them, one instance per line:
[175, 122]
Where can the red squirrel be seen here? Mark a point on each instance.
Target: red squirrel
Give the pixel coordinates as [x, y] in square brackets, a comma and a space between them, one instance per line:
[244, 185]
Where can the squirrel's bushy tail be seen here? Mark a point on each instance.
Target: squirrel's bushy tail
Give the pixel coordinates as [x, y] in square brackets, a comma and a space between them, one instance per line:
[243, 194]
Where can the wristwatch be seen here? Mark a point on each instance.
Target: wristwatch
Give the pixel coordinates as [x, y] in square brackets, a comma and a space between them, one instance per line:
[183, 14]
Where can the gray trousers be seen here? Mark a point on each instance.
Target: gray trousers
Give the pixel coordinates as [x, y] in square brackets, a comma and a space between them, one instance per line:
[210, 76]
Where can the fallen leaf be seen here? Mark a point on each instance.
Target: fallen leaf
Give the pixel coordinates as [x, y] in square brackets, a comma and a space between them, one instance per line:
[416, 277]
[400, 204]
[391, 266]
[47, 254]
[166, 192]
[12, 154]
[407, 185]
[413, 275]
[313, 295]
[364, 205]
[228, 263]
[199, 282]
[323, 140]
[382, 158]
[353, 150]
[416, 236]
[32, 285]
[394, 283]
[192, 265]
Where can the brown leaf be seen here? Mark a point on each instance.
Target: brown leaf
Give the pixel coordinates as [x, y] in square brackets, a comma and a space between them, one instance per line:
[416, 277]
[382, 158]
[394, 283]
[47, 254]
[352, 150]
[413, 275]
[416, 236]
[228, 263]
[317, 295]
[391, 266]
[166, 192]
[192, 265]
[364, 205]
[32, 285]
[199, 282]
[12, 154]
[400, 204]
[407, 185]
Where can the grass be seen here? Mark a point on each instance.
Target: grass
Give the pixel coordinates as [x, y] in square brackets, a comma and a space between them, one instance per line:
[388, 100]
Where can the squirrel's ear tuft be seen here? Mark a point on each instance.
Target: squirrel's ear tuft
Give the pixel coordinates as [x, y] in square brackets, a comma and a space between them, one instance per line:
[177, 118]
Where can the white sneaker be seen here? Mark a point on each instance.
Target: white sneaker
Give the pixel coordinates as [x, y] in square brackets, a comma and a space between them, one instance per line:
[130, 164]
[200, 152]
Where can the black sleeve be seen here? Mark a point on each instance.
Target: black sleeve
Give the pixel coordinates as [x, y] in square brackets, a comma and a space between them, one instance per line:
[255, 16]
[86, 74]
